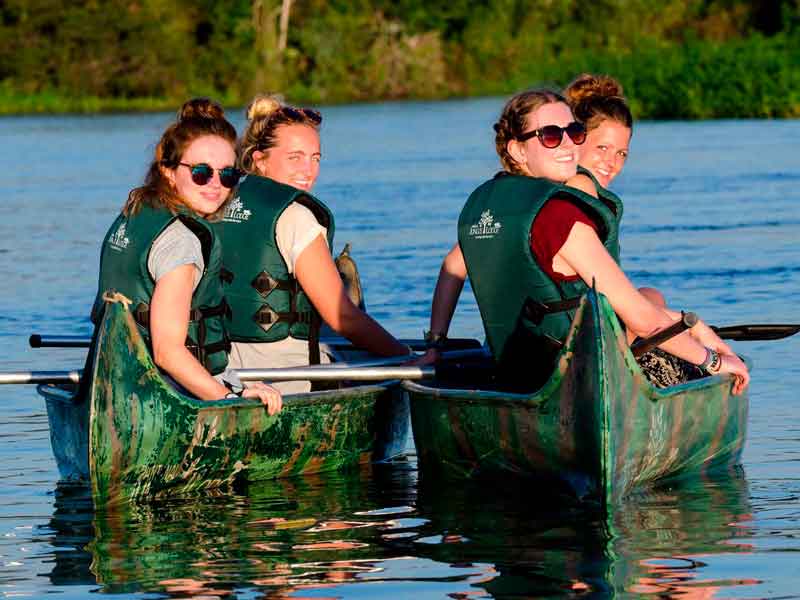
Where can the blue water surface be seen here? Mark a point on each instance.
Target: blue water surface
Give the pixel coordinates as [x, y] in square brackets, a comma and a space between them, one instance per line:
[710, 218]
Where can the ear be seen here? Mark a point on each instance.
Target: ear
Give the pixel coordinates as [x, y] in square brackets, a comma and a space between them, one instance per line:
[517, 151]
[259, 160]
[168, 174]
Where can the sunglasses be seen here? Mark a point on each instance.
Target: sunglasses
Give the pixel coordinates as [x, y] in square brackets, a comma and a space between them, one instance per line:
[550, 136]
[301, 114]
[203, 173]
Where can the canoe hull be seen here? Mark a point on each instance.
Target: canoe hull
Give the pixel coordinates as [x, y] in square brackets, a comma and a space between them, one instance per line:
[597, 428]
[137, 436]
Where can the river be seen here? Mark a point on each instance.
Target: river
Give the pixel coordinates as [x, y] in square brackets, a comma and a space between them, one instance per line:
[710, 218]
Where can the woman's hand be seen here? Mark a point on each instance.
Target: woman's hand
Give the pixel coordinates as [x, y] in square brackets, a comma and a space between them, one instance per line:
[706, 336]
[730, 363]
[431, 357]
[268, 395]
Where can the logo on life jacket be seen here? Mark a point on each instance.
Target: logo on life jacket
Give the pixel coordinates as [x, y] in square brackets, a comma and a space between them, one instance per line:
[235, 212]
[486, 227]
[119, 241]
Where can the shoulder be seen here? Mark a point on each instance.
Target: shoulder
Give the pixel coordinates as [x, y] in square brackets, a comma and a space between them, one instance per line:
[297, 216]
[561, 210]
[583, 183]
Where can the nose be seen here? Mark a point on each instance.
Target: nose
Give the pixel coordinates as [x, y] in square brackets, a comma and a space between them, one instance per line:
[215, 181]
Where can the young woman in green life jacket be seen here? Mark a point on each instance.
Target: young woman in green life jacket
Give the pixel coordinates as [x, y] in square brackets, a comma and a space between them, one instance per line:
[277, 241]
[162, 254]
[529, 146]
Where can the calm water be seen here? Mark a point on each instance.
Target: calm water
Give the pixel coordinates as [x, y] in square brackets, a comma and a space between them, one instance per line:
[711, 218]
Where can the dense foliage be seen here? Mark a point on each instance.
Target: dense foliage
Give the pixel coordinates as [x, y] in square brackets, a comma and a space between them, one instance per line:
[676, 58]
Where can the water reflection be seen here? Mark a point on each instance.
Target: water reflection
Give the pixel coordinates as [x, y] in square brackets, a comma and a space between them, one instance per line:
[319, 536]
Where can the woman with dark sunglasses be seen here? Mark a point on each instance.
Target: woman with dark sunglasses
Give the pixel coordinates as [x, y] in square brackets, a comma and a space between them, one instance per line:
[280, 278]
[531, 243]
[162, 254]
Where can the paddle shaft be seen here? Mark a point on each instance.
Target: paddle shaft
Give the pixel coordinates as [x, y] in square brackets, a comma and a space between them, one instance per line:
[23, 377]
[687, 321]
[379, 369]
[73, 341]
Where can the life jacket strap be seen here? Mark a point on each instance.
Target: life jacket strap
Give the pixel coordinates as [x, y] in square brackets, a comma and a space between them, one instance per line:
[199, 349]
[535, 311]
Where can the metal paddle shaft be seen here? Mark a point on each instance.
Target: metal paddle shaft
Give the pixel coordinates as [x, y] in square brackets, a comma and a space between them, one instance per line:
[378, 369]
[58, 341]
[325, 373]
[23, 377]
[38, 340]
[687, 321]
[366, 370]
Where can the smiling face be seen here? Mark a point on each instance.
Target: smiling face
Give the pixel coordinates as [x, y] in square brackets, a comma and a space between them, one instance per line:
[605, 150]
[295, 158]
[556, 164]
[205, 199]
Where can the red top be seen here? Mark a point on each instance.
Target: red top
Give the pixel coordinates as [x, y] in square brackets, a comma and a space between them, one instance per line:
[550, 230]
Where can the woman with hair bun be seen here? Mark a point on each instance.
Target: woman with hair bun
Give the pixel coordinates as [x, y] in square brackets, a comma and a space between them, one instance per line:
[529, 236]
[281, 280]
[161, 253]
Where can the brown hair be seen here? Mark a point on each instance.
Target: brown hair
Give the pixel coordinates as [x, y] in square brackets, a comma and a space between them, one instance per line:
[514, 119]
[265, 115]
[196, 118]
[596, 98]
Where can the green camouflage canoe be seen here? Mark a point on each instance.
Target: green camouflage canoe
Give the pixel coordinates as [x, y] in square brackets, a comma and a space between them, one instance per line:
[597, 429]
[135, 435]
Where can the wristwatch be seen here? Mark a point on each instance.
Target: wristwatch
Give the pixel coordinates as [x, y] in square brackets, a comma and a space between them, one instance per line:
[712, 363]
[434, 340]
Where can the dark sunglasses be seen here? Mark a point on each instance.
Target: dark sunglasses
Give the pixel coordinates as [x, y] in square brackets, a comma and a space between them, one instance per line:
[301, 114]
[203, 173]
[550, 136]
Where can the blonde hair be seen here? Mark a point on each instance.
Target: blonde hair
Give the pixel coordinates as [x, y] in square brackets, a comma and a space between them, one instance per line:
[265, 114]
[597, 98]
[514, 120]
[197, 117]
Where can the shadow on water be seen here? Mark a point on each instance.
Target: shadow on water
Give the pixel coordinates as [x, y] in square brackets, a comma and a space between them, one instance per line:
[319, 536]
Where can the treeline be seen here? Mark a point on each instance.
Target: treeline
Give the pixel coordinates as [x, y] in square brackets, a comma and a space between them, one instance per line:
[676, 58]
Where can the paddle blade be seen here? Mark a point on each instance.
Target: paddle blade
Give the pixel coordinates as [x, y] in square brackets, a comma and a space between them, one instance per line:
[751, 333]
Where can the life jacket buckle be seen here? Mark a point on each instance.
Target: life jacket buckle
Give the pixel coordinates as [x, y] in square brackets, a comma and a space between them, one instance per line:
[264, 283]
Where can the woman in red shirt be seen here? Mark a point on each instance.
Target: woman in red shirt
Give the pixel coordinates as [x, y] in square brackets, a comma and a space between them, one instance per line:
[564, 240]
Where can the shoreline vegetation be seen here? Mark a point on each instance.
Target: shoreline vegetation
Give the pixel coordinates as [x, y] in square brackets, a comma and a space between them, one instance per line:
[677, 59]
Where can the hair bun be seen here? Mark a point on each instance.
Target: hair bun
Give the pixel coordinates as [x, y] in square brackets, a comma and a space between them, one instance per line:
[200, 108]
[586, 86]
[262, 106]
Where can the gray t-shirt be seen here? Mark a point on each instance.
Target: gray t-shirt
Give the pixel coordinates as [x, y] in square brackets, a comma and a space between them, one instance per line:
[174, 247]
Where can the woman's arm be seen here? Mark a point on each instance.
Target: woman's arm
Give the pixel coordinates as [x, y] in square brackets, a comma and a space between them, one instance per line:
[448, 289]
[169, 323]
[451, 280]
[584, 254]
[317, 275]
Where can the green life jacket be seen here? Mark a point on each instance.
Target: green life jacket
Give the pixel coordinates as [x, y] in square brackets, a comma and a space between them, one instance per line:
[266, 300]
[523, 310]
[614, 204]
[123, 267]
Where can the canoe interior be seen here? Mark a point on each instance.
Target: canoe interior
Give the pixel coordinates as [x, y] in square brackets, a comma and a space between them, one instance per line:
[135, 435]
[597, 429]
